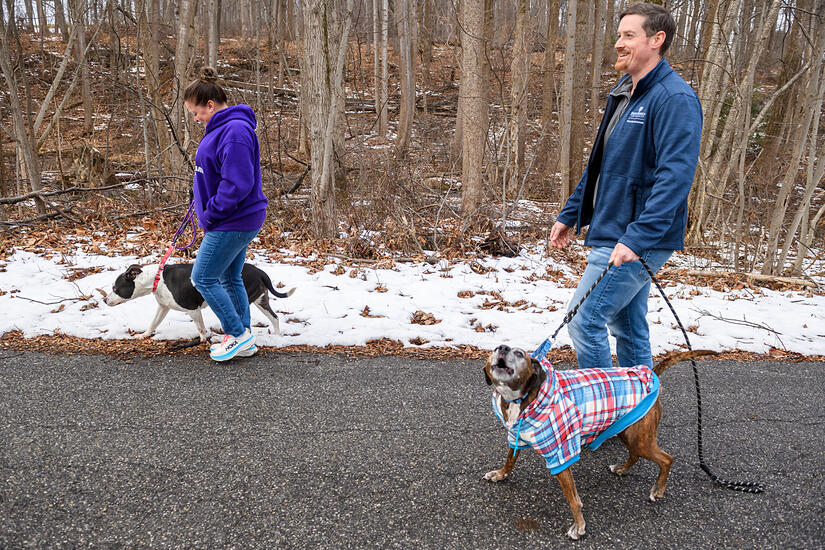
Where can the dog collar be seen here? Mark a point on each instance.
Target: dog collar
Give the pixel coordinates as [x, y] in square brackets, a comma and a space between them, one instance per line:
[519, 400]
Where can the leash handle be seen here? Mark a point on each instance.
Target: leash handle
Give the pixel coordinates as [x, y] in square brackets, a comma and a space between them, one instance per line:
[191, 221]
[744, 486]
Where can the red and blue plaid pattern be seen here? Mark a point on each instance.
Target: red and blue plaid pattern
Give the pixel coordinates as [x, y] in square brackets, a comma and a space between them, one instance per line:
[580, 407]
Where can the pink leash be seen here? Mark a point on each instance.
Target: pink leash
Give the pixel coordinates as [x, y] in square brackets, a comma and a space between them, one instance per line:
[187, 219]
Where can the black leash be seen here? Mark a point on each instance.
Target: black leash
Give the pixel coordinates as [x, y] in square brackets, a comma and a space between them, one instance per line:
[541, 352]
[744, 486]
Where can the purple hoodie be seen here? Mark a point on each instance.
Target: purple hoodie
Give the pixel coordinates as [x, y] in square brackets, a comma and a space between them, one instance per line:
[228, 193]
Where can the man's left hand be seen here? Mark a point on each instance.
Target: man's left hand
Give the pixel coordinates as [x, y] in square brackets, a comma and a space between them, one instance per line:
[622, 254]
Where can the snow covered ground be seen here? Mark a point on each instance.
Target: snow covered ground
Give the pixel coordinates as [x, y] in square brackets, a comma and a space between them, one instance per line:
[518, 301]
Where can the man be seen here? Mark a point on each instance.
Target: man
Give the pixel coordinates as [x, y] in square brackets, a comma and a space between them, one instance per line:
[633, 193]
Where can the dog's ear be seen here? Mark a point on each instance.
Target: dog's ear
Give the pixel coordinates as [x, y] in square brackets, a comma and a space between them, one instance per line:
[535, 365]
[133, 271]
[487, 376]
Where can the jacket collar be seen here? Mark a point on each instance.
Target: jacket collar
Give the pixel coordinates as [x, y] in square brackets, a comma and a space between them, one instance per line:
[656, 73]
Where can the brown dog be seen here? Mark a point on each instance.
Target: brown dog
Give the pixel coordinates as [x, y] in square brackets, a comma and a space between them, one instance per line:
[557, 425]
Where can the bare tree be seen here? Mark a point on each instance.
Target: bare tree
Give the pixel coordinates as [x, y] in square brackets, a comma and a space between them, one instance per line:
[321, 75]
[548, 83]
[811, 112]
[598, 51]
[78, 13]
[474, 102]
[408, 44]
[26, 145]
[566, 111]
[519, 74]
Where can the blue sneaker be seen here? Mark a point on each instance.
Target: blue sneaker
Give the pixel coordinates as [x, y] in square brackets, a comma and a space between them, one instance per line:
[232, 346]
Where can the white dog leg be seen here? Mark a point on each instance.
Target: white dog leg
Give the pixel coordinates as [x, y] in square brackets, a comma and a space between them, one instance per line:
[160, 314]
[197, 317]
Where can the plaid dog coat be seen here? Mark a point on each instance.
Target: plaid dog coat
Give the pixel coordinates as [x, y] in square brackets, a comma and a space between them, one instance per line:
[580, 407]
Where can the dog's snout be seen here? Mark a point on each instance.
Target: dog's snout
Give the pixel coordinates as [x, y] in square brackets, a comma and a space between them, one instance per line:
[503, 349]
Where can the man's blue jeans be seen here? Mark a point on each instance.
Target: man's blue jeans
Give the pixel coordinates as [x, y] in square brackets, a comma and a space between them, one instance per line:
[217, 276]
[619, 302]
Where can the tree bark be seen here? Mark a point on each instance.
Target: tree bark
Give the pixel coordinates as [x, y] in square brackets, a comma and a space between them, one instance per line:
[520, 74]
[596, 70]
[60, 19]
[474, 98]
[78, 19]
[548, 86]
[320, 76]
[566, 111]
[407, 31]
[812, 105]
[25, 142]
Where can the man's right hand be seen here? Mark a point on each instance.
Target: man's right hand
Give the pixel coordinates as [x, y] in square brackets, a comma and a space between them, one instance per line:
[559, 235]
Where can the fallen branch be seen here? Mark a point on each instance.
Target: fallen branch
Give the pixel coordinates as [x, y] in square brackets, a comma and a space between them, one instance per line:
[743, 322]
[673, 273]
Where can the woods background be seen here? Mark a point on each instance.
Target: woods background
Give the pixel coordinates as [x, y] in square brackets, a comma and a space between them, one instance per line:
[404, 125]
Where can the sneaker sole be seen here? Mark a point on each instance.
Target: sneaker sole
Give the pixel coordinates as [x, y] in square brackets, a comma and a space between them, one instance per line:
[243, 346]
[245, 353]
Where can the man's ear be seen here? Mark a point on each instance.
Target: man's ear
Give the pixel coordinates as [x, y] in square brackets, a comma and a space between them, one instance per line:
[133, 271]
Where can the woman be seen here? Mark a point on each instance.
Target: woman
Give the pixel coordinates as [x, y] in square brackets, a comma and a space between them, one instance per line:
[231, 208]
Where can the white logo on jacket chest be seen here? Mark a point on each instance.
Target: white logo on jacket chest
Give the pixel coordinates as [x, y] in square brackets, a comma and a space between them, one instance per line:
[637, 116]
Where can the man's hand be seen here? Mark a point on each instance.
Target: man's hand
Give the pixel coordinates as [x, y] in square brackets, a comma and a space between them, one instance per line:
[621, 254]
[559, 235]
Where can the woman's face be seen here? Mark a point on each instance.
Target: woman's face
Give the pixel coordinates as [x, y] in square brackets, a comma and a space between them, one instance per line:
[202, 113]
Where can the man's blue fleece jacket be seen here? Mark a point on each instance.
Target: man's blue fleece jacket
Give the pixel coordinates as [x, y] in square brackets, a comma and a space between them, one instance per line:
[228, 193]
[644, 171]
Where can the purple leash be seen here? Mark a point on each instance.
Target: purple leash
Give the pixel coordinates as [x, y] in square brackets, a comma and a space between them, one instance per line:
[188, 219]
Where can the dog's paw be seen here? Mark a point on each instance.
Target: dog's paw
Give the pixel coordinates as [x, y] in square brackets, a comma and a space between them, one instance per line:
[495, 475]
[618, 469]
[656, 494]
[575, 532]
[144, 335]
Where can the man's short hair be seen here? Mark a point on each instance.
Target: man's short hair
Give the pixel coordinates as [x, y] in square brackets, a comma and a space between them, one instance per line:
[657, 19]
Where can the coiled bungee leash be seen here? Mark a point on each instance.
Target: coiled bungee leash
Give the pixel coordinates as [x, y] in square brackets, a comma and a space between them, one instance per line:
[541, 352]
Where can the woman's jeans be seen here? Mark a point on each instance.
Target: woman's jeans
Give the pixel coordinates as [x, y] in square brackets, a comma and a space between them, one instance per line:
[619, 302]
[217, 276]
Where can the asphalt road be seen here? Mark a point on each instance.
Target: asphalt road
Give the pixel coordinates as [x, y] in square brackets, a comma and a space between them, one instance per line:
[308, 451]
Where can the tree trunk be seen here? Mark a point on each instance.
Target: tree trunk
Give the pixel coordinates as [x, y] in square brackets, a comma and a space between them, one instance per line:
[25, 141]
[407, 23]
[213, 36]
[520, 73]
[596, 71]
[376, 53]
[320, 77]
[548, 91]
[42, 22]
[812, 104]
[60, 19]
[78, 19]
[385, 33]
[566, 111]
[473, 95]
[610, 26]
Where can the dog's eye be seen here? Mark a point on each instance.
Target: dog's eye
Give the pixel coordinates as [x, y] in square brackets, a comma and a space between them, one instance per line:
[518, 354]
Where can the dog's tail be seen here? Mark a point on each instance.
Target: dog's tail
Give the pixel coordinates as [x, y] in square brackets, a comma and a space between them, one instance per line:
[674, 358]
[271, 289]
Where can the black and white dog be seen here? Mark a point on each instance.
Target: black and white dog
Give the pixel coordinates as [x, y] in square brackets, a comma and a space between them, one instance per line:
[175, 291]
